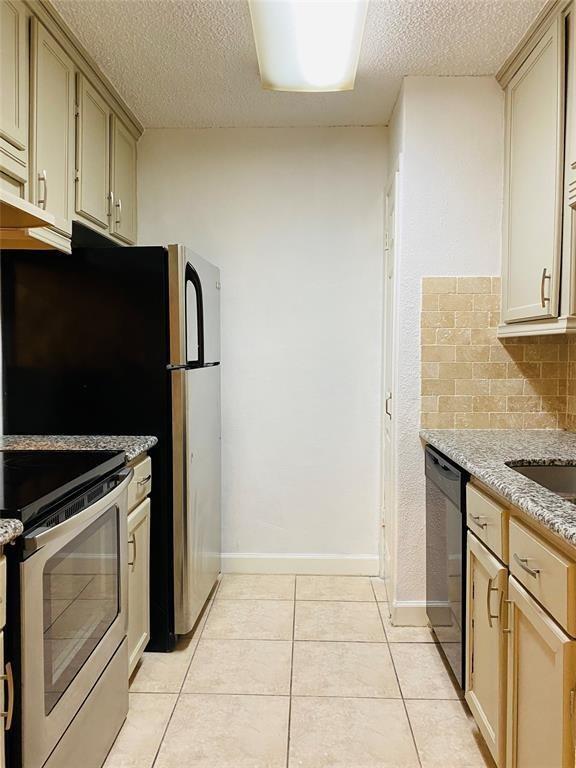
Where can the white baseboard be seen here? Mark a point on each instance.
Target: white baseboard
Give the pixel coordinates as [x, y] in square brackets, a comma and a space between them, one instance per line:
[323, 565]
[408, 613]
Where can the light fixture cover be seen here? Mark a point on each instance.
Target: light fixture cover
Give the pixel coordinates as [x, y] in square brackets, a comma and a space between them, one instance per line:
[308, 45]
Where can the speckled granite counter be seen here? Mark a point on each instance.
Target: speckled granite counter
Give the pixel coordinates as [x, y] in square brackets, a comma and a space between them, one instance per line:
[132, 445]
[484, 453]
[10, 530]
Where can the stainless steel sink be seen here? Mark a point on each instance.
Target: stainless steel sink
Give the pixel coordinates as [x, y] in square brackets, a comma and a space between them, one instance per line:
[559, 479]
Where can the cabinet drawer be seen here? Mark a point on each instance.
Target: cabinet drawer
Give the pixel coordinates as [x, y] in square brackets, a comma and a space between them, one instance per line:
[546, 573]
[487, 520]
[141, 484]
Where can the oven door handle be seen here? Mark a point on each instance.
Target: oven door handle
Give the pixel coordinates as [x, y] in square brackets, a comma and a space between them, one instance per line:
[35, 541]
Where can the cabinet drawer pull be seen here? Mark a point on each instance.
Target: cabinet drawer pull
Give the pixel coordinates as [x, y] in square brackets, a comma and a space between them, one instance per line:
[132, 540]
[44, 200]
[9, 678]
[144, 480]
[523, 563]
[543, 297]
[476, 519]
[489, 591]
[119, 210]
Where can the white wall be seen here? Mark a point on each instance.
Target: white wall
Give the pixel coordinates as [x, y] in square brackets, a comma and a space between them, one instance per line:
[449, 132]
[294, 219]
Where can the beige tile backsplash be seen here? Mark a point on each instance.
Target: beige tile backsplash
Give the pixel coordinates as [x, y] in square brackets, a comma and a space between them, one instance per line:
[473, 380]
[571, 386]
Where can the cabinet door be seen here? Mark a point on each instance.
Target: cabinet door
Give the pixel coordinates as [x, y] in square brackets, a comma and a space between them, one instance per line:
[13, 96]
[569, 224]
[13, 74]
[93, 155]
[123, 176]
[541, 682]
[52, 111]
[533, 184]
[486, 646]
[138, 582]
[2, 704]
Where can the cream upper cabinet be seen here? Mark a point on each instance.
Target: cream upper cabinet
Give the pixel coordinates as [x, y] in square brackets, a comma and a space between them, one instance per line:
[123, 182]
[13, 96]
[533, 182]
[92, 155]
[569, 240]
[541, 684]
[138, 582]
[52, 128]
[486, 646]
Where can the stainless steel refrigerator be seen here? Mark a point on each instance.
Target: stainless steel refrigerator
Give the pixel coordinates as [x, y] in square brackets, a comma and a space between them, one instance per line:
[126, 340]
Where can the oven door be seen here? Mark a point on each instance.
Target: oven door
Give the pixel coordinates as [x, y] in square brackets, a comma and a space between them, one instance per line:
[74, 616]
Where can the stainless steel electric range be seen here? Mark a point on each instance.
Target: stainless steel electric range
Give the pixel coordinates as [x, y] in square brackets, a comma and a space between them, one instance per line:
[67, 605]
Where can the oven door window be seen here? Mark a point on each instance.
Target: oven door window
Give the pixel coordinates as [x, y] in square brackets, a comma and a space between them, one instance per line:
[81, 591]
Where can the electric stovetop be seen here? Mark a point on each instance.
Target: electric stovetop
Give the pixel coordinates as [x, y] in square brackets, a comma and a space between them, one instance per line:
[32, 482]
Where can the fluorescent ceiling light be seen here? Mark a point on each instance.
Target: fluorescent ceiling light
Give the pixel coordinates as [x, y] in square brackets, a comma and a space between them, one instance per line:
[308, 45]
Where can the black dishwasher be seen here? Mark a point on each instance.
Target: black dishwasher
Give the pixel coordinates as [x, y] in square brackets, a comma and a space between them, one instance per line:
[446, 556]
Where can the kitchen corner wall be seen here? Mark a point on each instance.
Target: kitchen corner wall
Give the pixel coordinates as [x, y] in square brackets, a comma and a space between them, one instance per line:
[447, 145]
[294, 219]
[473, 380]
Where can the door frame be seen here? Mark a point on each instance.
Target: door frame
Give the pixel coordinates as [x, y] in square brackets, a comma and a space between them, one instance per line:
[388, 496]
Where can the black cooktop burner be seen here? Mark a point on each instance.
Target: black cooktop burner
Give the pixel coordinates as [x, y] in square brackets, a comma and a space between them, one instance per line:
[31, 482]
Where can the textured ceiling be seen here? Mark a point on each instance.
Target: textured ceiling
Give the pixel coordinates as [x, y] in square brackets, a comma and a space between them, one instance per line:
[192, 63]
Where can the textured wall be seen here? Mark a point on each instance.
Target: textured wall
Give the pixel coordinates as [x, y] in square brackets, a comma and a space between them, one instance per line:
[293, 217]
[471, 379]
[449, 223]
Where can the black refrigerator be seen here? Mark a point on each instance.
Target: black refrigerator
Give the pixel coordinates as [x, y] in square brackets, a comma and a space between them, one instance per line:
[126, 341]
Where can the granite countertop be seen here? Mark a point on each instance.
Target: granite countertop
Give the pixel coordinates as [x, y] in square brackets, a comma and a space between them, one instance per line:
[485, 452]
[132, 445]
[10, 530]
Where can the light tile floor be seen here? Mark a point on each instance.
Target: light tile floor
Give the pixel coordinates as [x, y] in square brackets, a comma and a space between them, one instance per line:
[298, 672]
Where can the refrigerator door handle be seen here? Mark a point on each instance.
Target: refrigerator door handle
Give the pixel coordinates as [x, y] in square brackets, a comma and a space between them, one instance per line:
[180, 366]
[189, 366]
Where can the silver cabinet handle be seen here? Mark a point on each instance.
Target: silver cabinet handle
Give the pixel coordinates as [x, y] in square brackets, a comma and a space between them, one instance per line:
[9, 678]
[489, 591]
[132, 540]
[523, 563]
[43, 201]
[476, 520]
[388, 399]
[543, 297]
[144, 480]
[110, 204]
[119, 210]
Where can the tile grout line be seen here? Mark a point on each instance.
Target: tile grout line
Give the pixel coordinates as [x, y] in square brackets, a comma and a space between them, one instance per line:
[291, 675]
[204, 619]
[397, 678]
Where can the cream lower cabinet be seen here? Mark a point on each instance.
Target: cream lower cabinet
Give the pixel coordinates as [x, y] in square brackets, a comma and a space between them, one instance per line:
[541, 685]
[138, 582]
[486, 646]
